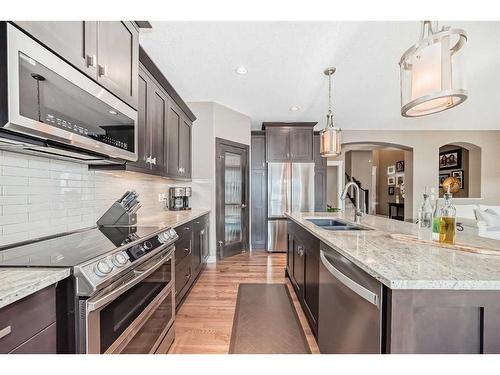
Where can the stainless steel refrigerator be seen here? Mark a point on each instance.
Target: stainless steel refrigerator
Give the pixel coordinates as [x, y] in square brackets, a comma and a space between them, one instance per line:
[290, 188]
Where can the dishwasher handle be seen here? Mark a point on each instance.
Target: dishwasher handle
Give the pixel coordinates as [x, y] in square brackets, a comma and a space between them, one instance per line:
[360, 290]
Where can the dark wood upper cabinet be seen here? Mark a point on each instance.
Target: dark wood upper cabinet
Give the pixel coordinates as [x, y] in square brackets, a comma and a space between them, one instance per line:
[118, 59]
[106, 51]
[144, 132]
[74, 41]
[301, 145]
[164, 127]
[158, 115]
[278, 144]
[289, 142]
[185, 148]
[258, 151]
[173, 127]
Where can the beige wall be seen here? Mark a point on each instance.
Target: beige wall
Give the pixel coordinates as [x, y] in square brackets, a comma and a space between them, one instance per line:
[213, 121]
[426, 144]
[331, 185]
[361, 167]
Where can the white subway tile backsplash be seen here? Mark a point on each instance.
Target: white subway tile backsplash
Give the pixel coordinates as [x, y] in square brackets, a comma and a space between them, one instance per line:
[15, 160]
[13, 199]
[14, 181]
[41, 196]
[13, 219]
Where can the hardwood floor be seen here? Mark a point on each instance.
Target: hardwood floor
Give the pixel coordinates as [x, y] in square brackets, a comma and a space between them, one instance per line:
[204, 321]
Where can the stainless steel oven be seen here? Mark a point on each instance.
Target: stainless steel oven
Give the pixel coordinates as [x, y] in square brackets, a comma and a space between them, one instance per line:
[45, 98]
[135, 313]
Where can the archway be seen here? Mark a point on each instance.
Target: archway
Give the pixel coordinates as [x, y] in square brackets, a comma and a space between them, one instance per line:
[385, 174]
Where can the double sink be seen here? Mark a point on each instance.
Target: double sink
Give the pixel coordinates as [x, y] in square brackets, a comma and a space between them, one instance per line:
[334, 224]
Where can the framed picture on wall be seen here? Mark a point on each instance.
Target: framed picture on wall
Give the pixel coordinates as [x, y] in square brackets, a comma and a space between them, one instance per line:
[460, 176]
[391, 169]
[400, 179]
[390, 190]
[391, 180]
[442, 177]
[450, 159]
[400, 166]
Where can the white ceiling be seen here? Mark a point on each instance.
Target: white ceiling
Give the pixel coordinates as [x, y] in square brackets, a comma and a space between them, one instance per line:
[285, 62]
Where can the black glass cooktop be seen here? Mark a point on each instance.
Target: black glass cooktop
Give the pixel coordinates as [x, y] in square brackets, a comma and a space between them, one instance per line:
[73, 249]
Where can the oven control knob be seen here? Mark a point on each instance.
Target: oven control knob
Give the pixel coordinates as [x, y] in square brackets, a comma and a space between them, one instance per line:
[147, 245]
[102, 268]
[164, 237]
[172, 232]
[119, 260]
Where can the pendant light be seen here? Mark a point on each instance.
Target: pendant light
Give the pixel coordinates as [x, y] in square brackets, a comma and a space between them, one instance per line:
[431, 72]
[330, 135]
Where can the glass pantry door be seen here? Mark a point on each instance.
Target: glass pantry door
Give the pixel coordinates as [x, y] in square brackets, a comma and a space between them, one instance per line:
[232, 212]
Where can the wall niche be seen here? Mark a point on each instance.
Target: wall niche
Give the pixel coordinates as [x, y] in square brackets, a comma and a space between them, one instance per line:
[463, 161]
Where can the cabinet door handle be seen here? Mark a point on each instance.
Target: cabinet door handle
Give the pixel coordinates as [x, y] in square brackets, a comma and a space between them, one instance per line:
[91, 61]
[103, 70]
[149, 160]
[5, 332]
[153, 161]
[300, 250]
[188, 276]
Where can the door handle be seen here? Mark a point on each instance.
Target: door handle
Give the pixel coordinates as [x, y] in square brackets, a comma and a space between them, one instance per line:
[103, 70]
[360, 290]
[243, 205]
[91, 61]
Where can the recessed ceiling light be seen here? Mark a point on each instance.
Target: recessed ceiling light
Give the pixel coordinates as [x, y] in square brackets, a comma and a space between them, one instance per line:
[294, 108]
[241, 70]
[113, 112]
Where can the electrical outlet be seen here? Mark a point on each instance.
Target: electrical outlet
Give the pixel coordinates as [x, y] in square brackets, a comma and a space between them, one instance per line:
[161, 197]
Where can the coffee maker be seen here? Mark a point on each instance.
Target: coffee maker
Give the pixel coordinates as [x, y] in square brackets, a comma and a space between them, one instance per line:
[179, 198]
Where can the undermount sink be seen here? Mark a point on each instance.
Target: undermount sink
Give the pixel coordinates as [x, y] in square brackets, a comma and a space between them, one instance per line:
[334, 224]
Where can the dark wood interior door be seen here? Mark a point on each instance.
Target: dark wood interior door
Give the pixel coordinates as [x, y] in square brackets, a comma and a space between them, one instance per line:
[232, 211]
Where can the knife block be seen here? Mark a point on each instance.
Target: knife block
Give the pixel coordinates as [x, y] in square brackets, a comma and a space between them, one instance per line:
[118, 216]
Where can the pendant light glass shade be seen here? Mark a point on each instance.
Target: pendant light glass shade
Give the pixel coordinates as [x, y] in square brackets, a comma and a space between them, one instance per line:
[432, 73]
[330, 145]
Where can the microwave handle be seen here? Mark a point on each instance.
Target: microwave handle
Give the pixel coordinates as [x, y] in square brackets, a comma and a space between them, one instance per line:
[139, 276]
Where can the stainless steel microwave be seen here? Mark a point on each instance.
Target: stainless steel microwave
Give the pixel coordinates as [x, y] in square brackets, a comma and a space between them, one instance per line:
[44, 98]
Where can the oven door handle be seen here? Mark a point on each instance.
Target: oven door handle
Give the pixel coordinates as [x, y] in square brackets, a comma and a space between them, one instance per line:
[139, 276]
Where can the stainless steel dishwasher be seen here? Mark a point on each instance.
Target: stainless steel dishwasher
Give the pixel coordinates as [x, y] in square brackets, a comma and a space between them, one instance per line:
[350, 313]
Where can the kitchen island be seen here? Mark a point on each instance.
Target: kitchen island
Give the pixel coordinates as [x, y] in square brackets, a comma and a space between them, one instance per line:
[427, 299]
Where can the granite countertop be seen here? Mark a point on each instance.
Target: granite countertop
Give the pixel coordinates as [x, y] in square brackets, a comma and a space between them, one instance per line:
[408, 265]
[17, 283]
[171, 218]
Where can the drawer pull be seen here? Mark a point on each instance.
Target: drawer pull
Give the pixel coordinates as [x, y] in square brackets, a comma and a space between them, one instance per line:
[187, 250]
[188, 276]
[5, 331]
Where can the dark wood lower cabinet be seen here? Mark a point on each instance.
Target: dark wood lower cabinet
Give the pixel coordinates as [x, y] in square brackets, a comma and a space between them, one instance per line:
[303, 270]
[29, 325]
[191, 250]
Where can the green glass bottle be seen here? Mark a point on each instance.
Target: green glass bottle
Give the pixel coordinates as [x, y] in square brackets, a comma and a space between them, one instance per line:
[436, 220]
